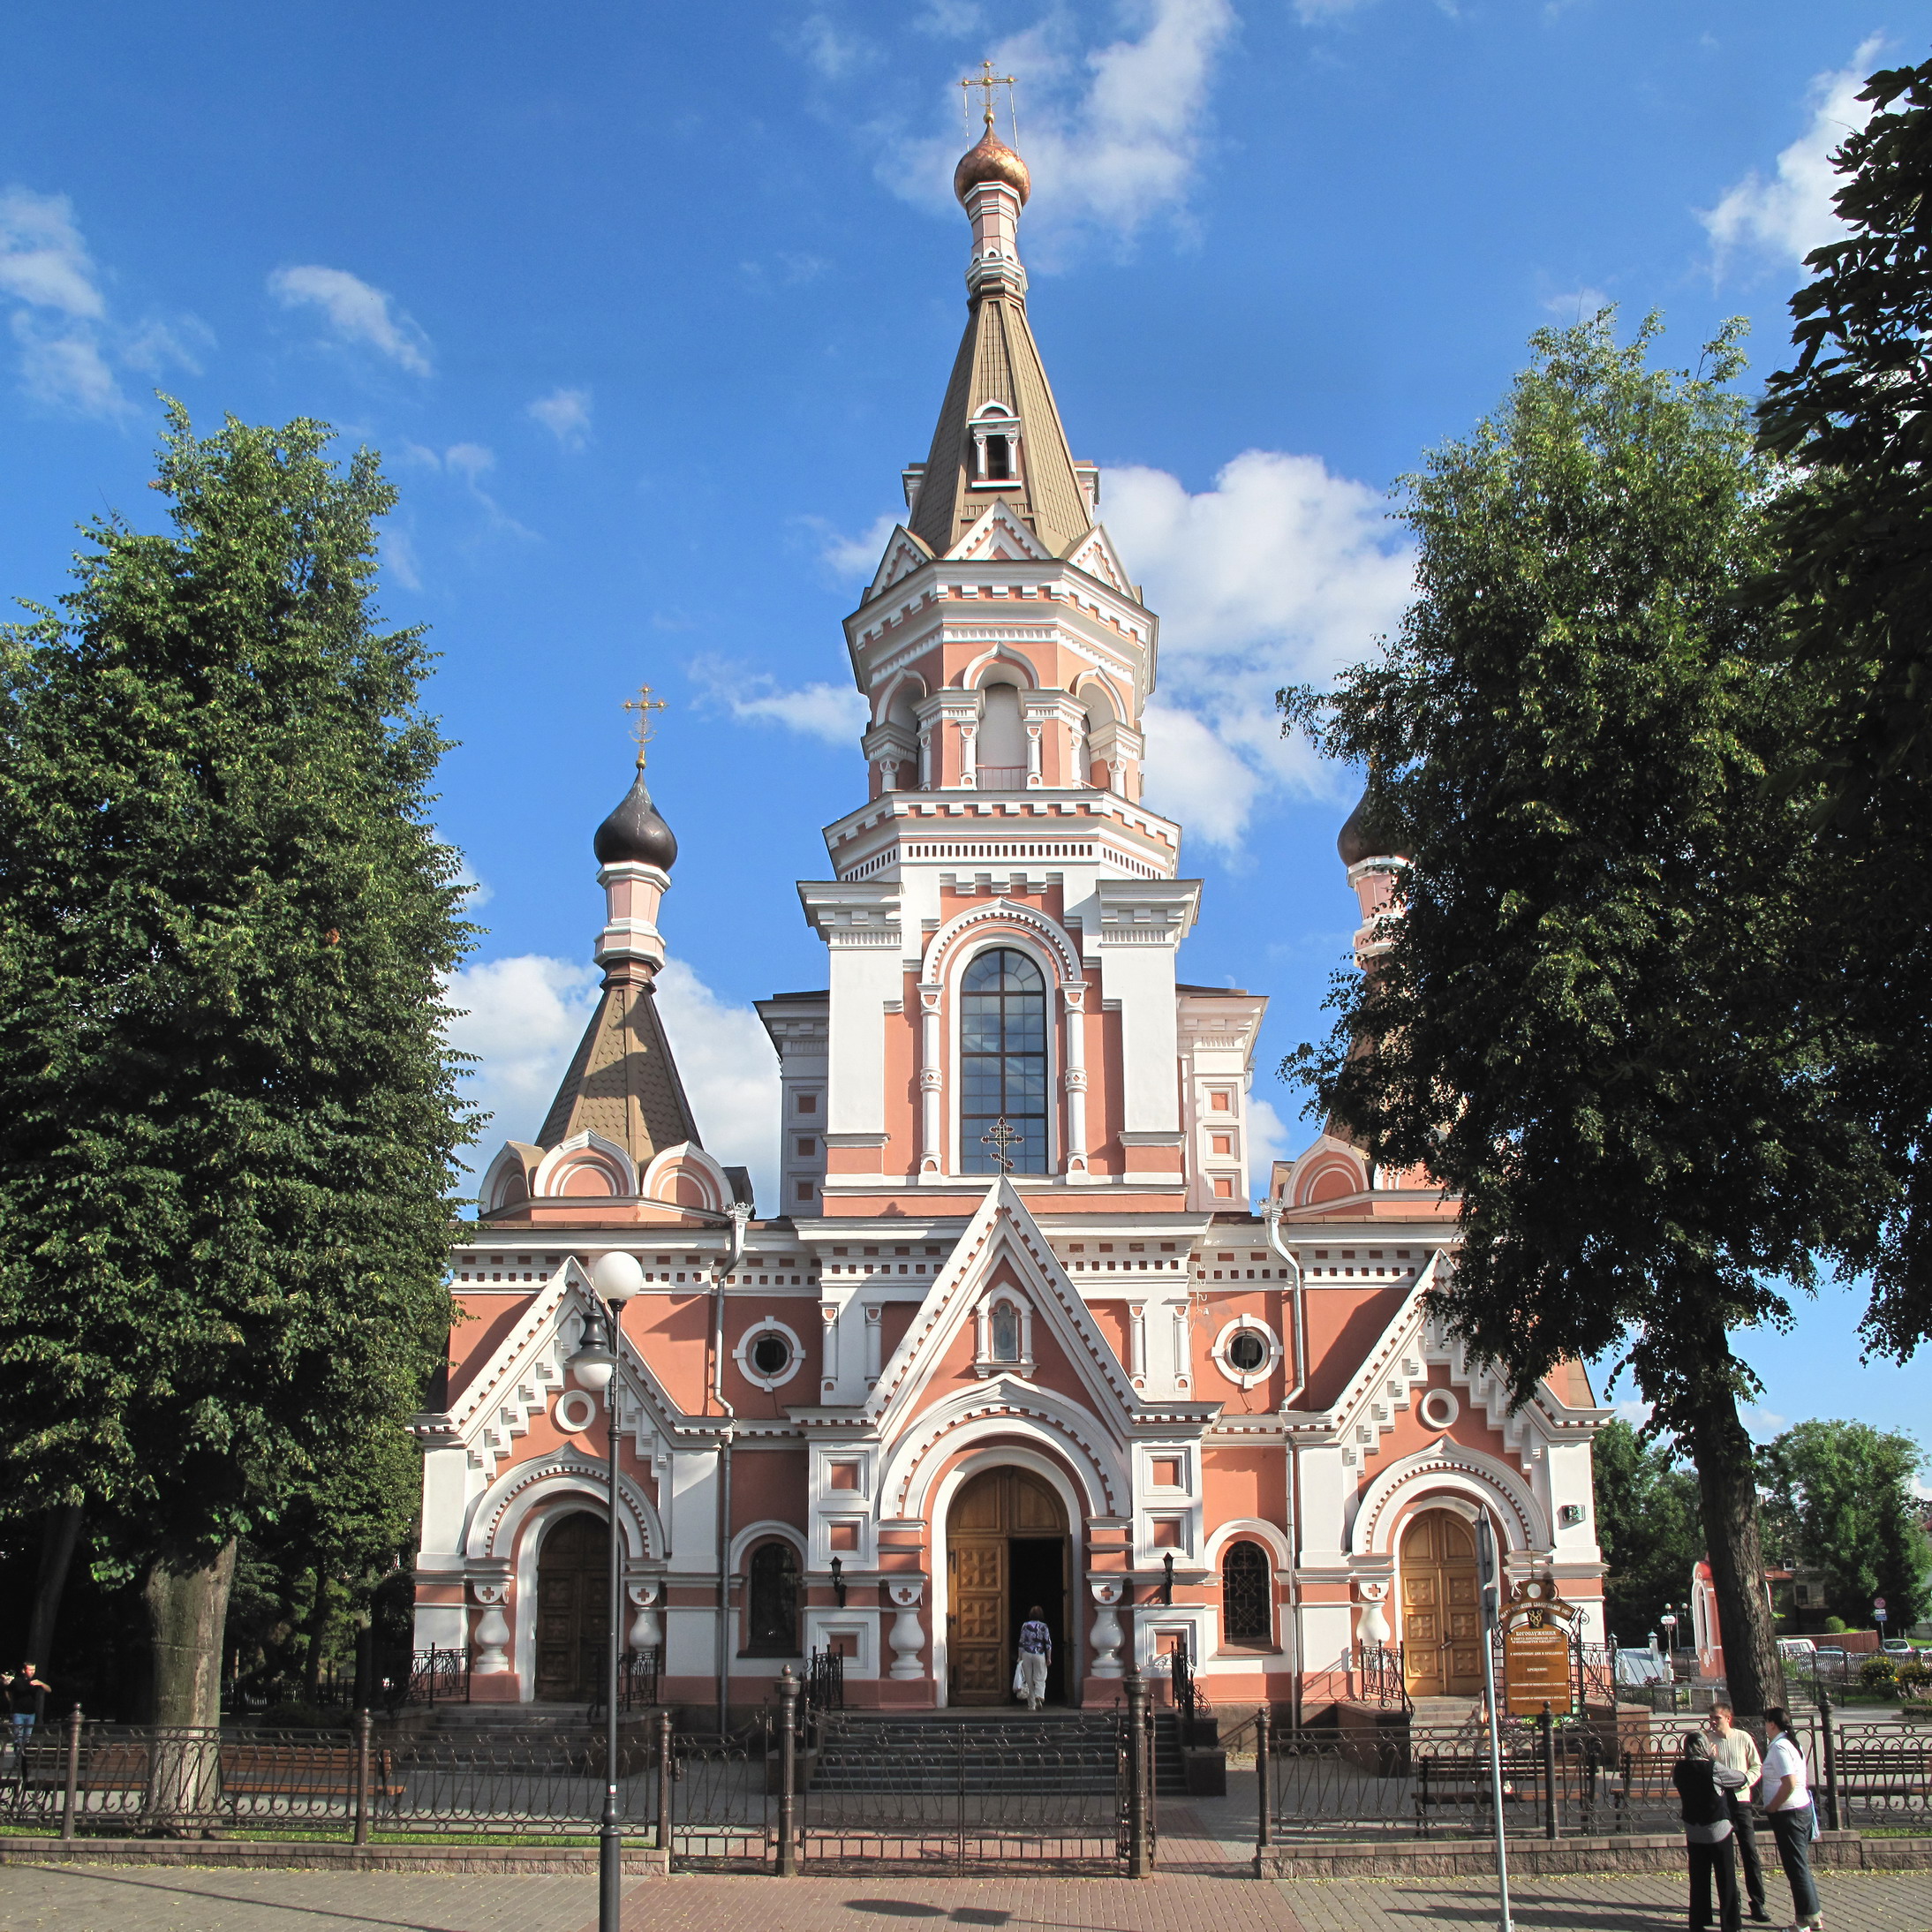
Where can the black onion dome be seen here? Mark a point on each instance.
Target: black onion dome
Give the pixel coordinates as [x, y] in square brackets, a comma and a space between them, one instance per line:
[1359, 838]
[634, 834]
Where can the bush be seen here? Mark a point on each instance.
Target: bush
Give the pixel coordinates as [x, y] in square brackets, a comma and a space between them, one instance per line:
[1879, 1673]
[1914, 1675]
[1836, 1626]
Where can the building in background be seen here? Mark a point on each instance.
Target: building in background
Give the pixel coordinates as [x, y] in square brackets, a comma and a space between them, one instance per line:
[1014, 1333]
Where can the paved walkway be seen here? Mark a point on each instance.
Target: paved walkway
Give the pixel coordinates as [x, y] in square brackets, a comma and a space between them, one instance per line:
[98, 1898]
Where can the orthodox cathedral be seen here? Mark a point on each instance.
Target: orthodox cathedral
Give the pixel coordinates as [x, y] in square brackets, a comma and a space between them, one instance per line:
[1014, 1334]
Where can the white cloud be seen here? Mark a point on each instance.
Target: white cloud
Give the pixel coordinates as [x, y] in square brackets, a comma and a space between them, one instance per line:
[521, 1017]
[830, 52]
[1112, 134]
[66, 367]
[43, 261]
[1309, 11]
[1281, 574]
[730, 1074]
[525, 1014]
[1577, 305]
[566, 414]
[1268, 1142]
[1790, 214]
[835, 713]
[356, 311]
[60, 324]
[853, 557]
[468, 460]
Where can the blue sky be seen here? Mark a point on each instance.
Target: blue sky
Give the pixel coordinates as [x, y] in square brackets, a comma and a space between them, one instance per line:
[646, 309]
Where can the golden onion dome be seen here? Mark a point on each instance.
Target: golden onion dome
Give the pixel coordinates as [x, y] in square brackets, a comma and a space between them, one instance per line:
[992, 160]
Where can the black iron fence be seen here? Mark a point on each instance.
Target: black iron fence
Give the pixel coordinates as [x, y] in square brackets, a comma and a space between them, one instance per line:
[1376, 1776]
[824, 1680]
[839, 1788]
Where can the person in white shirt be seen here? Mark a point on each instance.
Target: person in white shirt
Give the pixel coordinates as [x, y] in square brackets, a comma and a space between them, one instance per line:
[1737, 1750]
[1787, 1806]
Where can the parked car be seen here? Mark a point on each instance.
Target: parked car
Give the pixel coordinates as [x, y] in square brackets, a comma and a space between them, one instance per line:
[1899, 1646]
[1797, 1649]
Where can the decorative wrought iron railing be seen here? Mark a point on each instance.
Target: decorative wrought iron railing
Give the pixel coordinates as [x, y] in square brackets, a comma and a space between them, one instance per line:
[824, 1680]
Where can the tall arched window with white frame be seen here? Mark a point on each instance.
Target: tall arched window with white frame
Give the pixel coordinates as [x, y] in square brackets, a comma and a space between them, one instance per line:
[1002, 1042]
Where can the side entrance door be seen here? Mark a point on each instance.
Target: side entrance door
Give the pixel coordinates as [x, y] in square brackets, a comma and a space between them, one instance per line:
[1442, 1624]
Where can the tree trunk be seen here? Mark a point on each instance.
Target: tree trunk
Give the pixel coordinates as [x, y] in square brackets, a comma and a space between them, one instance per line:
[187, 1615]
[187, 1611]
[318, 1627]
[57, 1542]
[1727, 1484]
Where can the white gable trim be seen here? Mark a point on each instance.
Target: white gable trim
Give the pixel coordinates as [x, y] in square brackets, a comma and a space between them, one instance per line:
[904, 554]
[1454, 1467]
[999, 522]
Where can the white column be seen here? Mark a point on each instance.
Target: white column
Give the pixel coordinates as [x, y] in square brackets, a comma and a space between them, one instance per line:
[828, 1327]
[968, 770]
[888, 775]
[932, 1084]
[1074, 999]
[1137, 1341]
[875, 1337]
[925, 761]
[1032, 754]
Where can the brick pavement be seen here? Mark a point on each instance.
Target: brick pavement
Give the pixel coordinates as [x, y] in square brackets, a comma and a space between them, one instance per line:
[97, 1898]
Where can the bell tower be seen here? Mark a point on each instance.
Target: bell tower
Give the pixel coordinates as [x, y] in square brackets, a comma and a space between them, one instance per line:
[1006, 658]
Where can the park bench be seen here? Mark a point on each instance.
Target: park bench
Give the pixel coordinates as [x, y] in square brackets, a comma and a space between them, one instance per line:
[117, 1765]
[304, 1771]
[1892, 1770]
[1463, 1779]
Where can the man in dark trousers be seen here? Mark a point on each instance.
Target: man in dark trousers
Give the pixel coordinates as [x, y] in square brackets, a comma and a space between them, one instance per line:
[1738, 1750]
[1702, 1788]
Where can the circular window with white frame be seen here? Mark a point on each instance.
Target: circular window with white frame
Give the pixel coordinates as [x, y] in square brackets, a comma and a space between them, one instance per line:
[1439, 1408]
[1246, 1350]
[576, 1410]
[769, 1354]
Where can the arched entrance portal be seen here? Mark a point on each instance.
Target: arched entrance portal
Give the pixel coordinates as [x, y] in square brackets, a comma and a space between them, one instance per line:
[573, 1608]
[1442, 1623]
[1006, 1549]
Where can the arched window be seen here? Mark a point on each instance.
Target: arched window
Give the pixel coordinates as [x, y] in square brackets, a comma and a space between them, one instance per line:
[1246, 1615]
[770, 1611]
[1006, 1331]
[1002, 1044]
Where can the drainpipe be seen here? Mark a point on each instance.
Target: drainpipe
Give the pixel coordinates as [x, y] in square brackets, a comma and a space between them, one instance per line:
[1272, 1213]
[740, 1215]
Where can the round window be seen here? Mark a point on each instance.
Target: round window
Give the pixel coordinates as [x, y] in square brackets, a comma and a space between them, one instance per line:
[1438, 1409]
[1247, 1351]
[771, 1353]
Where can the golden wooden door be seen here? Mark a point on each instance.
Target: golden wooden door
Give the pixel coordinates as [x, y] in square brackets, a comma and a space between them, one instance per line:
[981, 1626]
[1442, 1621]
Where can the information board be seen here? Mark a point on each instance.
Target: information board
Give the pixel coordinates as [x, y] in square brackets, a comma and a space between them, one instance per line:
[1536, 1670]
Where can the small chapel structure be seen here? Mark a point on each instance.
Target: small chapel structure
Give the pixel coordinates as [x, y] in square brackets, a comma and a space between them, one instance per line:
[1015, 1332]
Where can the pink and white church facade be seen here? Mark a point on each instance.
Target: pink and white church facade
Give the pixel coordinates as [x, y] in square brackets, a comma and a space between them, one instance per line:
[1015, 1334]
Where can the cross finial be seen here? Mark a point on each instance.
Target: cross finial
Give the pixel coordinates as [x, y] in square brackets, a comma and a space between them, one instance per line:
[645, 728]
[988, 80]
[1001, 1136]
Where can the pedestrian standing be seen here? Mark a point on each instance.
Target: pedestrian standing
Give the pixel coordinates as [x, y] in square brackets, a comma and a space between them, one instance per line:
[26, 1703]
[1036, 1654]
[1739, 1749]
[1702, 1788]
[1788, 1810]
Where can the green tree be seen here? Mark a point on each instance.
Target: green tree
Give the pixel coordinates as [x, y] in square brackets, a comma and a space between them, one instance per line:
[1648, 1528]
[228, 1113]
[1591, 1022]
[1845, 1495]
[1854, 573]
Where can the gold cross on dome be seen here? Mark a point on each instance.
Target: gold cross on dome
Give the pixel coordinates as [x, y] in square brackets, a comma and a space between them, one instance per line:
[989, 80]
[645, 728]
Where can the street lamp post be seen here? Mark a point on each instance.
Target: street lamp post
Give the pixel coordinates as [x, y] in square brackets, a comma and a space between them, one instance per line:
[615, 1279]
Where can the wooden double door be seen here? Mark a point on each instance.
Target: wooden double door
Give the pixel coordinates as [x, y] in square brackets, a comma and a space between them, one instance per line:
[1442, 1615]
[573, 1608]
[1006, 1549]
